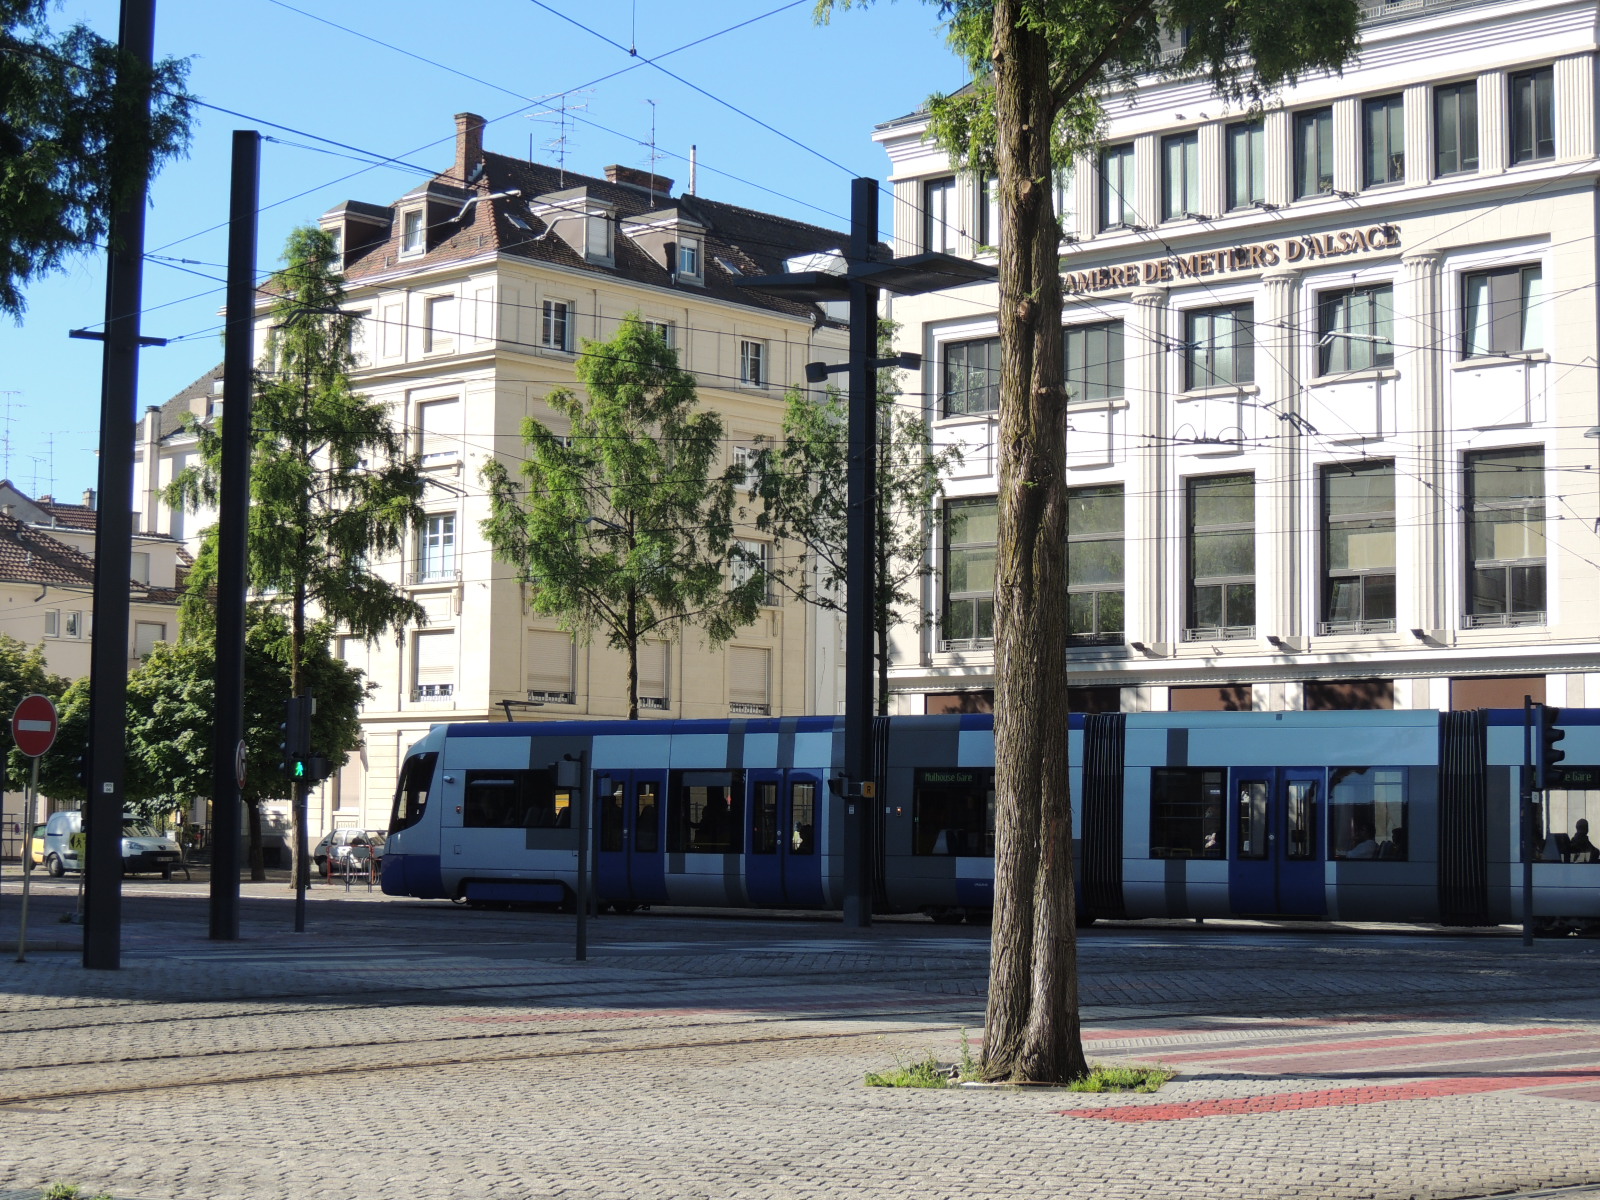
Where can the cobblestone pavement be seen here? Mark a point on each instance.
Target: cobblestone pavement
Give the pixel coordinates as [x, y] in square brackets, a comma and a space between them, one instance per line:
[419, 1050]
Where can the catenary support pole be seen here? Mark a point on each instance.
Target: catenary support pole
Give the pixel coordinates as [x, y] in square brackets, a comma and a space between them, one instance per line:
[233, 528]
[119, 391]
[581, 799]
[861, 606]
[1525, 814]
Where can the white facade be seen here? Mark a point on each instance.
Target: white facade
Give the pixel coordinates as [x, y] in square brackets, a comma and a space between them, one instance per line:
[1332, 366]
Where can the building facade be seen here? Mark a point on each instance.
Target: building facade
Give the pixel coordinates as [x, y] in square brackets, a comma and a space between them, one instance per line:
[1332, 371]
[475, 291]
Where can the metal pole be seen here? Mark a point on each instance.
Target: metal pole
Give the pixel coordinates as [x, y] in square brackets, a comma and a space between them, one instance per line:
[27, 866]
[119, 390]
[233, 528]
[582, 801]
[861, 607]
[1525, 807]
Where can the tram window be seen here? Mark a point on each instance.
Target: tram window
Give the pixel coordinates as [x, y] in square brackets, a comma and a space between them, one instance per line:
[953, 813]
[803, 813]
[1367, 813]
[1186, 812]
[1301, 823]
[647, 821]
[1253, 818]
[411, 797]
[705, 812]
[612, 816]
[514, 800]
[764, 814]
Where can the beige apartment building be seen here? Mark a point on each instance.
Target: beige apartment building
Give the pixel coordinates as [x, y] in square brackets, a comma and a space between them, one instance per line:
[1333, 365]
[475, 290]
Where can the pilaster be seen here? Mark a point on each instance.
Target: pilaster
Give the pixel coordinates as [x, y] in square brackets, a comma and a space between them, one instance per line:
[1494, 130]
[1426, 592]
[1419, 134]
[1347, 145]
[1279, 519]
[1278, 130]
[1574, 97]
[1148, 494]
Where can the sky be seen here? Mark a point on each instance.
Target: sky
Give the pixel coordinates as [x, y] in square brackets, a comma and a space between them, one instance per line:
[780, 109]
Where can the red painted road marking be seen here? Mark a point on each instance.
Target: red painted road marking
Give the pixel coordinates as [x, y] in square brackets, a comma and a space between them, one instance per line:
[1364, 1044]
[1245, 1106]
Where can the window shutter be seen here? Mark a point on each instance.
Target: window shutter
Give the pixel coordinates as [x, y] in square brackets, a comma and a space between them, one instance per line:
[441, 430]
[145, 636]
[749, 674]
[549, 658]
[436, 663]
[653, 674]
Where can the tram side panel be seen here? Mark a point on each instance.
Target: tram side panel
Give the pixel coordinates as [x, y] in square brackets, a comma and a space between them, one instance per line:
[938, 810]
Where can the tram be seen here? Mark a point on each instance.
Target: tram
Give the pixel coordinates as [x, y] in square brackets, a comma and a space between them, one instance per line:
[1361, 815]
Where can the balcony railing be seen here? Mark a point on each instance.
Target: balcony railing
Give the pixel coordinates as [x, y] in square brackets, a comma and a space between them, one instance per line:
[967, 644]
[744, 709]
[1501, 620]
[1220, 633]
[440, 575]
[656, 702]
[543, 697]
[1335, 628]
[433, 691]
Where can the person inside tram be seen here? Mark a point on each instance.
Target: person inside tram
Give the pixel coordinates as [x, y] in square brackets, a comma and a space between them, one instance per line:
[1364, 845]
[712, 832]
[1580, 848]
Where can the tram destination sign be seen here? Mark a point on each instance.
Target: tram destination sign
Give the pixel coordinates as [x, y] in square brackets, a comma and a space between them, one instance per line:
[1233, 260]
[1577, 779]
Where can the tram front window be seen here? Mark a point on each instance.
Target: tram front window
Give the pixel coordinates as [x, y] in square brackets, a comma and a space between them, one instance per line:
[411, 796]
[1367, 813]
[953, 813]
[1186, 817]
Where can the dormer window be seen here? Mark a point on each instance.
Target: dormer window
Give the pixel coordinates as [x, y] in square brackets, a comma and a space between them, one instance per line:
[689, 258]
[336, 259]
[411, 235]
[597, 237]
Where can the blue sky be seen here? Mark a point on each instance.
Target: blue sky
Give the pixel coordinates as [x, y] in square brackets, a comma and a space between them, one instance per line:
[824, 87]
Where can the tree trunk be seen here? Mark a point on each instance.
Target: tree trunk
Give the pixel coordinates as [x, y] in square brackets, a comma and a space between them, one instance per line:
[633, 658]
[258, 863]
[1031, 1029]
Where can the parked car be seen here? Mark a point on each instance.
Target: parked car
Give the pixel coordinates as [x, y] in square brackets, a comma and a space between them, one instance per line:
[144, 851]
[341, 842]
[36, 845]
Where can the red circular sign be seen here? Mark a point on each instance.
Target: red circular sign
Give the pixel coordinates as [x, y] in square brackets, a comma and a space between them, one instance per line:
[33, 725]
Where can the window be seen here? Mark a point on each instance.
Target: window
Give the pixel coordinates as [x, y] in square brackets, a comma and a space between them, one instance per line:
[1501, 311]
[689, 258]
[412, 233]
[411, 793]
[989, 213]
[139, 566]
[1313, 153]
[1506, 546]
[653, 663]
[514, 800]
[52, 622]
[1117, 187]
[439, 323]
[705, 812]
[939, 223]
[555, 327]
[1186, 817]
[1455, 128]
[803, 813]
[1367, 813]
[336, 249]
[1357, 329]
[1220, 348]
[440, 432]
[1066, 213]
[1095, 565]
[752, 559]
[763, 818]
[438, 557]
[434, 666]
[549, 656]
[74, 625]
[749, 681]
[971, 377]
[1180, 176]
[1358, 550]
[1222, 557]
[1093, 355]
[753, 363]
[667, 331]
[1247, 165]
[1533, 115]
[597, 236]
[970, 530]
[145, 636]
[1383, 141]
[952, 813]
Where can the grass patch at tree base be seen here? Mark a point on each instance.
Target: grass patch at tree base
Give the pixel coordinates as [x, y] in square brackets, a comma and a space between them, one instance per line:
[929, 1072]
[1137, 1078]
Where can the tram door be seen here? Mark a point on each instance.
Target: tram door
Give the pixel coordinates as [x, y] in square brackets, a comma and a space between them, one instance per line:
[628, 860]
[1277, 864]
[783, 865]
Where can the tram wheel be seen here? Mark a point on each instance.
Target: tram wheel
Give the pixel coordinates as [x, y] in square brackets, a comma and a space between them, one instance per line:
[624, 909]
[980, 916]
[945, 916]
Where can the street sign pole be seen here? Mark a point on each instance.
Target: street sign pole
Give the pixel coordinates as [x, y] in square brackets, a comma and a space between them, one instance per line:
[27, 864]
[33, 731]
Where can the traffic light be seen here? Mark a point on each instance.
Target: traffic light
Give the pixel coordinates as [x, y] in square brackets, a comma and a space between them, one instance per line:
[294, 737]
[1547, 773]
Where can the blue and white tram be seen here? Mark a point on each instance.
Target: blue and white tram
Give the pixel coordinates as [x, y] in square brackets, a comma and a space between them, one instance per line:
[1360, 815]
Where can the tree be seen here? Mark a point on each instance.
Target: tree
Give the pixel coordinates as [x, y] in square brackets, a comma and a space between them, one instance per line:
[625, 526]
[801, 480]
[22, 673]
[331, 484]
[66, 151]
[1041, 69]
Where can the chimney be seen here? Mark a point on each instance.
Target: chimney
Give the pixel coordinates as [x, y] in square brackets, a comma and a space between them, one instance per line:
[643, 180]
[88, 497]
[469, 145]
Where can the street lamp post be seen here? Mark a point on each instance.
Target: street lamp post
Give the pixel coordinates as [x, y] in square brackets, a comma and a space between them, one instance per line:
[862, 272]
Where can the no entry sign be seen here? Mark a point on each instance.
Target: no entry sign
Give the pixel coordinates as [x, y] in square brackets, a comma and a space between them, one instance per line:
[33, 725]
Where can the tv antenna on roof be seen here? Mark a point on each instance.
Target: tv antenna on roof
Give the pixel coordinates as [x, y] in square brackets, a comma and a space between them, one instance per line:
[655, 155]
[557, 115]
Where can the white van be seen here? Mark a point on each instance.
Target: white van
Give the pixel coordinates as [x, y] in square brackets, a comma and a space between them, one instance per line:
[143, 850]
